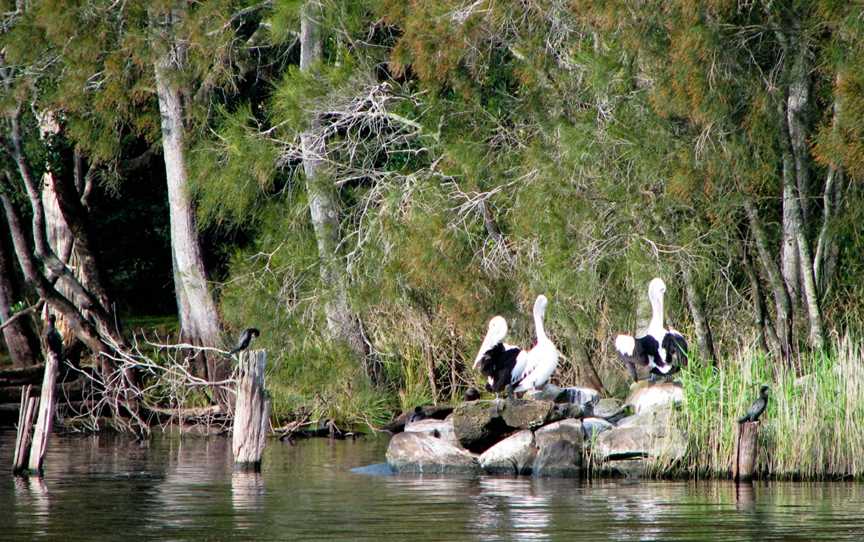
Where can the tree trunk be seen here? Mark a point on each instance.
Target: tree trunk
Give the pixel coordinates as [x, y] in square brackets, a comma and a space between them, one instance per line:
[767, 334]
[251, 412]
[790, 255]
[342, 323]
[795, 226]
[18, 336]
[704, 336]
[199, 318]
[782, 303]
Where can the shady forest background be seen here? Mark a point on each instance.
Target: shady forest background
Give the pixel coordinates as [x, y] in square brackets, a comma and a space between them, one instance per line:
[368, 182]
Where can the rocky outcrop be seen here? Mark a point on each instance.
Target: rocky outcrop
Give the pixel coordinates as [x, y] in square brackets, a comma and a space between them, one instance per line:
[513, 455]
[645, 396]
[650, 434]
[478, 425]
[527, 414]
[442, 429]
[559, 449]
[606, 408]
[592, 427]
[421, 452]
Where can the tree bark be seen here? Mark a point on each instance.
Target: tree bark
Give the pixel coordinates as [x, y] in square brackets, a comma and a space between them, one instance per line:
[18, 336]
[199, 318]
[704, 337]
[324, 208]
[782, 303]
[767, 334]
[795, 226]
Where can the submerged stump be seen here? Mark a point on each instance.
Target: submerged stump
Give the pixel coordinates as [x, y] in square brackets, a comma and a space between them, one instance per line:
[45, 421]
[746, 450]
[251, 412]
[25, 425]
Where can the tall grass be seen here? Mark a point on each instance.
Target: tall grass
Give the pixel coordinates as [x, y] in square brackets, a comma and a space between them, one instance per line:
[813, 427]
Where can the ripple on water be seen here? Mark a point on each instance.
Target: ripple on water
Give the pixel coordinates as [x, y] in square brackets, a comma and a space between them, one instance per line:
[108, 487]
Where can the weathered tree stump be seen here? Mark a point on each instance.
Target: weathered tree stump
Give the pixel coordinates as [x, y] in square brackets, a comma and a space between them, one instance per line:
[45, 421]
[251, 412]
[746, 449]
[25, 423]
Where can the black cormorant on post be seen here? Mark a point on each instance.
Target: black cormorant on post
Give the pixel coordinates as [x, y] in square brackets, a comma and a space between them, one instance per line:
[53, 339]
[245, 339]
[757, 408]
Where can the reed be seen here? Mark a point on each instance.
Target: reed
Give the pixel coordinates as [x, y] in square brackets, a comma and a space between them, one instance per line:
[814, 425]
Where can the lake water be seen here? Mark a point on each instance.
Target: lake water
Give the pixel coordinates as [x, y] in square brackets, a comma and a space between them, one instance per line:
[107, 487]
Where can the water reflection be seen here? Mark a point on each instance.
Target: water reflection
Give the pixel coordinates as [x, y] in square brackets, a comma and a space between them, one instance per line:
[187, 489]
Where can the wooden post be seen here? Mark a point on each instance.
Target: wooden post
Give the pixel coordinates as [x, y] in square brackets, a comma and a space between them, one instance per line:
[25, 422]
[251, 412]
[746, 450]
[45, 422]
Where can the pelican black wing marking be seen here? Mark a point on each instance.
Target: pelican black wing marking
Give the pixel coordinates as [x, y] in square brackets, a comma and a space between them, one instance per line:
[497, 363]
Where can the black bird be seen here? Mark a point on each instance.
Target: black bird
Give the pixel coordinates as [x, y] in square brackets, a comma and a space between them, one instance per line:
[245, 339]
[53, 339]
[417, 415]
[757, 408]
[471, 394]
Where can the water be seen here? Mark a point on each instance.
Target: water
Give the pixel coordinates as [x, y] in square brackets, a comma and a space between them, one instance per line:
[109, 488]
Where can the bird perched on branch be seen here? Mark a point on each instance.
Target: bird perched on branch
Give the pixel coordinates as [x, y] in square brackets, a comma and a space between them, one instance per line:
[757, 408]
[53, 339]
[244, 340]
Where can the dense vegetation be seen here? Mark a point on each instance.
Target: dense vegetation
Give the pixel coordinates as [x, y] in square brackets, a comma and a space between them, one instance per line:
[375, 179]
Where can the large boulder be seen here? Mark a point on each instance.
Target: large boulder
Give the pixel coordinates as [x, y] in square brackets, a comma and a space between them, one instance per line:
[513, 455]
[550, 392]
[478, 424]
[646, 396]
[559, 449]
[592, 427]
[528, 414]
[424, 453]
[442, 429]
[581, 396]
[607, 408]
[650, 434]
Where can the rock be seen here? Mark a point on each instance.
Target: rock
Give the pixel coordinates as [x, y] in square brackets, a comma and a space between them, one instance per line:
[592, 427]
[559, 449]
[550, 392]
[606, 408]
[528, 414]
[581, 396]
[513, 455]
[478, 424]
[442, 429]
[561, 459]
[572, 411]
[645, 396]
[423, 453]
[439, 412]
[652, 434]
[564, 430]
[659, 417]
[628, 468]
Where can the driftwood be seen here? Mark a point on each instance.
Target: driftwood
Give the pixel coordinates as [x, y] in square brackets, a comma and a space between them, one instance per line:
[252, 412]
[45, 422]
[746, 450]
[20, 377]
[26, 410]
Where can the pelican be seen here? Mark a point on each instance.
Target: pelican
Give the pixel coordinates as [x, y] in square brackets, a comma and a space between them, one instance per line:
[662, 350]
[510, 367]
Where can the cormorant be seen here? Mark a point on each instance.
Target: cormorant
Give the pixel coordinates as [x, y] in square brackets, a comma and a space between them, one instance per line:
[53, 339]
[757, 408]
[245, 339]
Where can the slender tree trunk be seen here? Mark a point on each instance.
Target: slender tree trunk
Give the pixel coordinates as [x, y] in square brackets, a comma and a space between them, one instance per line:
[199, 318]
[826, 244]
[790, 255]
[18, 336]
[767, 334]
[782, 303]
[324, 208]
[704, 336]
[791, 197]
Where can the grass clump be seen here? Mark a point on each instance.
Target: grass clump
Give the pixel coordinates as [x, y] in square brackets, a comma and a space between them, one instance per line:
[813, 428]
